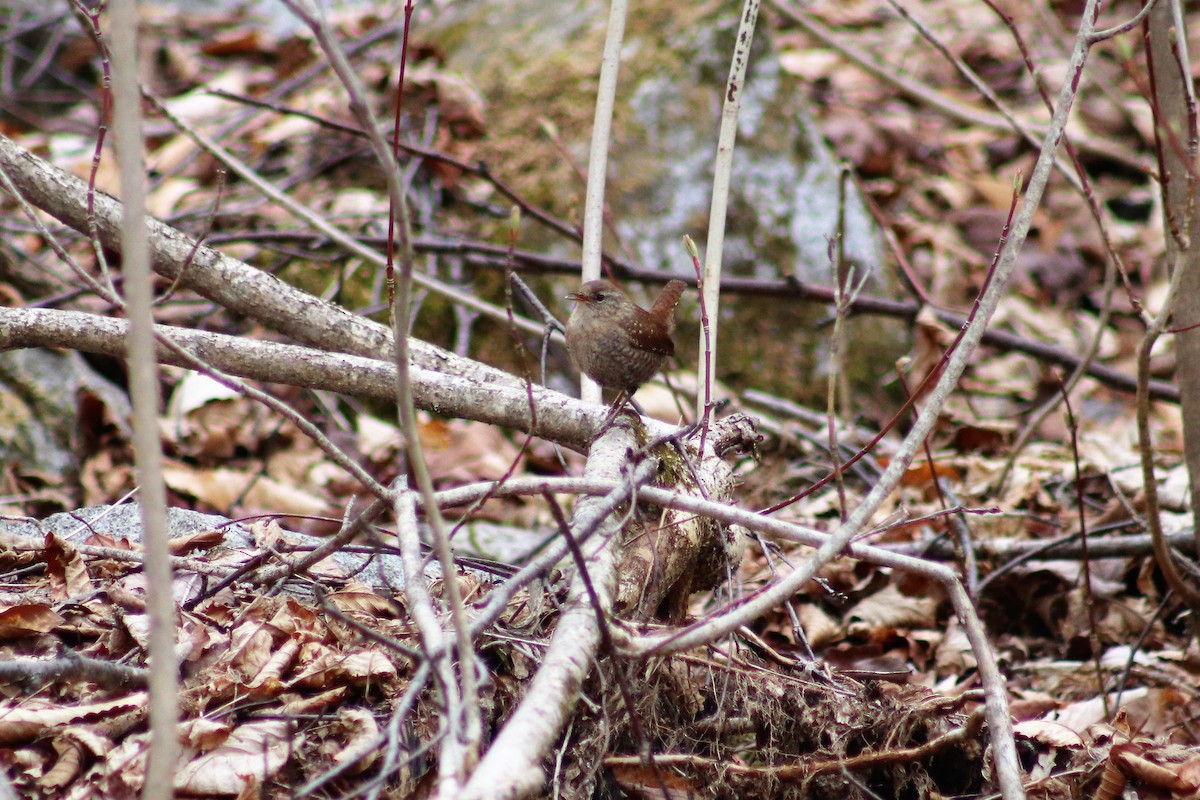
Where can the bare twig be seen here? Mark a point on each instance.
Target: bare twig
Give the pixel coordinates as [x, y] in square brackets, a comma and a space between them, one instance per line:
[704, 396]
[144, 391]
[92, 15]
[731, 619]
[936, 100]
[1173, 103]
[513, 765]
[593, 210]
[461, 698]
[1088, 598]
[560, 418]
[714, 247]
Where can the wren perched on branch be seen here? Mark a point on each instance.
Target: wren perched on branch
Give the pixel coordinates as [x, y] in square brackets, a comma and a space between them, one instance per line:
[617, 344]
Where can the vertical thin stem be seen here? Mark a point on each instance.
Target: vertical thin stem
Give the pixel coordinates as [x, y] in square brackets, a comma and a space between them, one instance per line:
[723, 169]
[593, 210]
[143, 376]
[391, 236]
[461, 749]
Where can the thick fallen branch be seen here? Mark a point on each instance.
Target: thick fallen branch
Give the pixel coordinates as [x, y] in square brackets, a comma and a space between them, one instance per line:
[560, 418]
[513, 764]
[233, 284]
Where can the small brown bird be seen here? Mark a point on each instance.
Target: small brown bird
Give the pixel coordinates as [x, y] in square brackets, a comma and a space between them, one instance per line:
[616, 343]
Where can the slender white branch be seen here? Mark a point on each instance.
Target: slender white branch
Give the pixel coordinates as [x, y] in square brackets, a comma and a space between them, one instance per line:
[514, 763]
[469, 395]
[233, 284]
[143, 378]
[593, 209]
[722, 171]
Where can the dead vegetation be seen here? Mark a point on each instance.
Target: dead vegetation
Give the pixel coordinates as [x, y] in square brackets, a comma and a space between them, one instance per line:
[319, 685]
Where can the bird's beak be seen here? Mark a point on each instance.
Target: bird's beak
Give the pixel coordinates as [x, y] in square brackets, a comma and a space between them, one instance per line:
[578, 297]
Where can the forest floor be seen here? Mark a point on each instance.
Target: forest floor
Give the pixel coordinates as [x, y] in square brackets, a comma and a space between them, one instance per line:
[865, 684]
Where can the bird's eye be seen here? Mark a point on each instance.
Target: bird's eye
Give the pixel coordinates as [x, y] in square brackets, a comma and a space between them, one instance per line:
[599, 297]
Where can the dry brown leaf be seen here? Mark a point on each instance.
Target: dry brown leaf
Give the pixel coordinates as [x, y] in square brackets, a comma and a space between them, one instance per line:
[367, 665]
[105, 476]
[460, 452]
[890, 608]
[221, 488]
[1148, 773]
[361, 746]
[251, 647]
[33, 717]
[138, 628]
[69, 764]
[253, 754]
[182, 545]
[1189, 771]
[294, 618]
[363, 600]
[1054, 734]
[1079, 716]
[202, 733]
[312, 704]
[23, 620]
[643, 782]
[67, 569]
[315, 664]
[954, 655]
[234, 43]
[459, 103]
[269, 677]
[820, 628]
